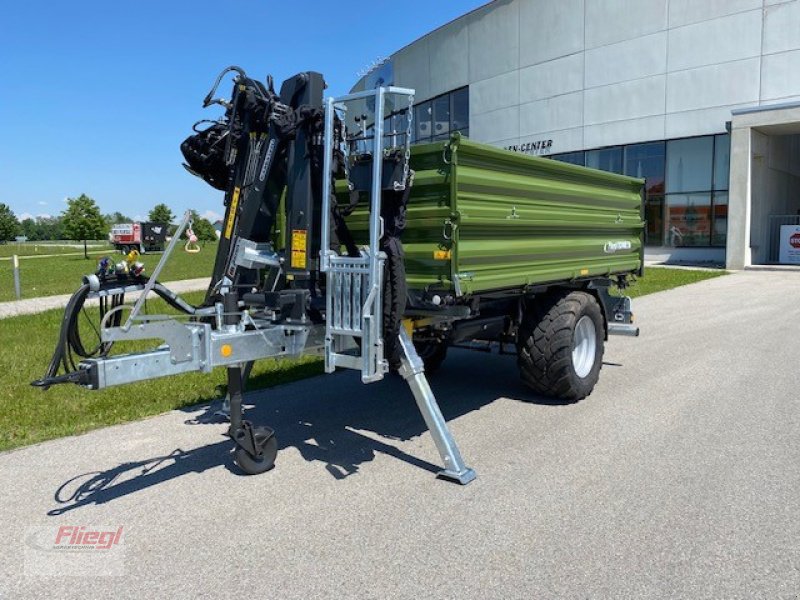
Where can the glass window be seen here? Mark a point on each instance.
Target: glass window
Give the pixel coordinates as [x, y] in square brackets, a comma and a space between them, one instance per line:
[722, 161]
[573, 158]
[689, 219]
[423, 127]
[459, 110]
[441, 117]
[606, 159]
[654, 214]
[689, 164]
[647, 161]
[719, 231]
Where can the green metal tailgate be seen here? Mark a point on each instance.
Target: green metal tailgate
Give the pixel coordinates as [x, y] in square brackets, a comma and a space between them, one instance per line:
[495, 219]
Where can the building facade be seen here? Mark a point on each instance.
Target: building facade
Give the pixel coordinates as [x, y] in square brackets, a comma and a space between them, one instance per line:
[649, 88]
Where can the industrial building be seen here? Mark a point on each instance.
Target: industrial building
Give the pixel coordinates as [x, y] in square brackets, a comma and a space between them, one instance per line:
[700, 97]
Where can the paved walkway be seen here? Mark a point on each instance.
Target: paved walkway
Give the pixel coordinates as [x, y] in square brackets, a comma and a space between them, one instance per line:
[31, 306]
[677, 478]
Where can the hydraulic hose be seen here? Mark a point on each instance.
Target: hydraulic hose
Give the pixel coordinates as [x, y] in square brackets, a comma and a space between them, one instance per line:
[71, 349]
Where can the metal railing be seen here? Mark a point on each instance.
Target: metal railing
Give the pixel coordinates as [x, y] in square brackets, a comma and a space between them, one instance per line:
[354, 284]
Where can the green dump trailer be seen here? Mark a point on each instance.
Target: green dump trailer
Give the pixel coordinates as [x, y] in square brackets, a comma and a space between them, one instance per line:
[504, 248]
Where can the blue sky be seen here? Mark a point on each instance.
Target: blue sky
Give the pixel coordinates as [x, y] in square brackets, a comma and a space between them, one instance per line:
[95, 97]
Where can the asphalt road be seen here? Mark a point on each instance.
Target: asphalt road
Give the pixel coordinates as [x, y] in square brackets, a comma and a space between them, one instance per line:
[678, 477]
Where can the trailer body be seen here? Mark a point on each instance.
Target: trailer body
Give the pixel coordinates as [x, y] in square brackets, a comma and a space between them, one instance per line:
[482, 219]
[145, 236]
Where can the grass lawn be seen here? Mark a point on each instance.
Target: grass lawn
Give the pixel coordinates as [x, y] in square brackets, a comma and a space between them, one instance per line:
[28, 415]
[42, 248]
[657, 279]
[62, 275]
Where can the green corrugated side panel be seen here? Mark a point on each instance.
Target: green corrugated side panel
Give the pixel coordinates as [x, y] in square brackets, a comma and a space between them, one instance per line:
[517, 220]
[429, 207]
[524, 220]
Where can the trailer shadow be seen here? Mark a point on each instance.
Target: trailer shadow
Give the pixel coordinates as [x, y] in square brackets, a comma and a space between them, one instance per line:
[335, 420]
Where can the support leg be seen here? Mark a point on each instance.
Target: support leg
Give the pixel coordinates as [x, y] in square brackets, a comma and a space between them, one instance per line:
[413, 371]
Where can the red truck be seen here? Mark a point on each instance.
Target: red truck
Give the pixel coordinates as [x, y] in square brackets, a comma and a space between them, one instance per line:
[144, 237]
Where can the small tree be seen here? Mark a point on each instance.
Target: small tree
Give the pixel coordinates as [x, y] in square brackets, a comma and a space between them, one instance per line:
[9, 226]
[203, 228]
[161, 213]
[112, 219]
[83, 221]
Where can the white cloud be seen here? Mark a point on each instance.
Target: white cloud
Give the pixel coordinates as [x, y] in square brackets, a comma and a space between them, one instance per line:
[138, 218]
[27, 215]
[211, 216]
[42, 203]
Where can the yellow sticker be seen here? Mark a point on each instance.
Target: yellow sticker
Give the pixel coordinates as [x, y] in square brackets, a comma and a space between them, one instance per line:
[299, 240]
[441, 255]
[232, 213]
[584, 271]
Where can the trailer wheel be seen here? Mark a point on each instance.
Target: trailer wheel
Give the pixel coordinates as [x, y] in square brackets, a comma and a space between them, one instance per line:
[432, 354]
[254, 466]
[560, 345]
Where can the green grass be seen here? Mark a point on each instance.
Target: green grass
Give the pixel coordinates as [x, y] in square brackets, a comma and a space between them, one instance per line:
[62, 275]
[28, 415]
[657, 279]
[41, 248]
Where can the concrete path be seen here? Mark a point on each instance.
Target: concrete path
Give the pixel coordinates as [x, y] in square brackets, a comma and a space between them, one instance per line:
[31, 306]
[678, 478]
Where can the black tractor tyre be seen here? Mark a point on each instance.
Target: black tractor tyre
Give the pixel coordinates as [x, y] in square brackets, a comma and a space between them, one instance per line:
[556, 330]
[432, 355]
[394, 305]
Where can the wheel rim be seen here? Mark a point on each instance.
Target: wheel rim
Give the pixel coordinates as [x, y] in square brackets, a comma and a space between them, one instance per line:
[584, 346]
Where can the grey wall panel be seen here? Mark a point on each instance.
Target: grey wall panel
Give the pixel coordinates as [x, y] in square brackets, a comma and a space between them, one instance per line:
[780, 75]
[553, 78]
[782, 27]
[622, 101]
[685, 12]
[611, 21]
[632, 59]
[699, 122]
[495, 125]
[551, 114]
[494, 40]
[624, 132]
[567, 140]
[412, 68]
[549, 29]
[493, 93]
[711, 42]
[448, 48]
[715, 85]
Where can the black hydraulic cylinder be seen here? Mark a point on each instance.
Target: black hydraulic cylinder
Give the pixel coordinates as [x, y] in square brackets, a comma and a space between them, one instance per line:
[303, 178]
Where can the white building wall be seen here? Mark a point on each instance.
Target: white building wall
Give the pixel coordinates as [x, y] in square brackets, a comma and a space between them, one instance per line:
[590, 73]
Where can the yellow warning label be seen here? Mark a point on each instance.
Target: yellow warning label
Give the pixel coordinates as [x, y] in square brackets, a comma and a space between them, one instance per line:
[299, 240]
[232, 213]
[441, 255]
